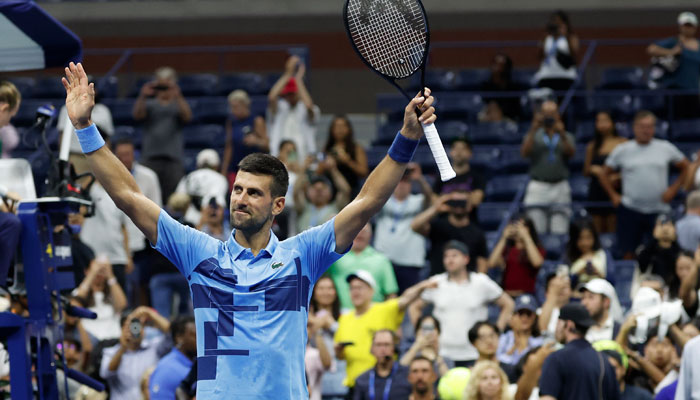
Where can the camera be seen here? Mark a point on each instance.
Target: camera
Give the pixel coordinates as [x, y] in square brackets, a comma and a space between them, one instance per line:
[135, 328]
[457, 203]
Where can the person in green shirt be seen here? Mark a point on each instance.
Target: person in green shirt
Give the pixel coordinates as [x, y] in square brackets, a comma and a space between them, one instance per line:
[363, 256]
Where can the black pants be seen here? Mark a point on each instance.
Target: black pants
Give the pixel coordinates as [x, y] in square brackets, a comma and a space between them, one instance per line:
[633, 229]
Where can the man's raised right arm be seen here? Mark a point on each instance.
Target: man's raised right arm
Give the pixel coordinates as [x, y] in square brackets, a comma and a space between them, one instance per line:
[109, 171]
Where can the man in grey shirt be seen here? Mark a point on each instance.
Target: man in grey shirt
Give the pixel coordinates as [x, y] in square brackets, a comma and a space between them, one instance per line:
[644, 166]
[549, 147]
[689, 375]
[688, 227]
[163, 110]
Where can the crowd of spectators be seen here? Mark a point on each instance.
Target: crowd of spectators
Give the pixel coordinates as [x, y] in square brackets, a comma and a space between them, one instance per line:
[420, 304]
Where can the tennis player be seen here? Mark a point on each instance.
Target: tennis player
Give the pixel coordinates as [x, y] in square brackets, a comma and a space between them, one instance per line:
[250, 293]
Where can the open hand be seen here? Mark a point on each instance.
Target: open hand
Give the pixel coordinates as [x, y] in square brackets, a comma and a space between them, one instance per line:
[80, 96]
[412, 128]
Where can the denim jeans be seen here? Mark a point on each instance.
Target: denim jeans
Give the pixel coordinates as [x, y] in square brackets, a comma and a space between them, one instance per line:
[163, 286]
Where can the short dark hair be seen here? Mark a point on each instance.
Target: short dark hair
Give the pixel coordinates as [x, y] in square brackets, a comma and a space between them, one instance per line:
[473, 333]
[122, 140]
[420, 358]
[423, 318]
[643, 114]
[462, 139]
[265, 164]
[179, 325]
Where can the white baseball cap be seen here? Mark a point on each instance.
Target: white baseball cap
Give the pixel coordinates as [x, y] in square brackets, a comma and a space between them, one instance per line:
[687, 17]
[364, 276]
[601, 286]
[208, 158]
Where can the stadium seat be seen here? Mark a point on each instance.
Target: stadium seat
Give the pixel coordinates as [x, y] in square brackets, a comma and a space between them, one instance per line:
[547, 268]
[439, 80]
[687, 130]
[576, 162]
[495, 133]
[258, 105]
[25, 85]
[622, 106]
[486, 159]
[458, 105]
[452, 129]
[375, 154]
[190, 161]
[504, 187]
[386, 133]
[107, 88]
[391, 105]
[491, 239]
[130, 132]
[624, 274]
[48, 88]
[512, 161]
[608, 241]
[523, 76]
[137, 85]
[654, 103]
[662, 129]
[490, 215]
[555, 245]
[579, 187]
[26, 115]
[471, 79]
[622, 78]
[252, 83]
[121, 110]
[210, 110]
[198, 84]
[204, 136]
[585, 130]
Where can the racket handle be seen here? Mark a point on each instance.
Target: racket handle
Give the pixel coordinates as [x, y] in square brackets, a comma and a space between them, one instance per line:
[443, 163]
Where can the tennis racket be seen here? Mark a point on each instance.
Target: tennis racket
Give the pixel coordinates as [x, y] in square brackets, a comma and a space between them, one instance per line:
[392, 38]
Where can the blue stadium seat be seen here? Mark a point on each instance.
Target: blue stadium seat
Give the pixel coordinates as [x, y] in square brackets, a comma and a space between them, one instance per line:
[452, 129]
[523, 76]
[392, 105]
[495, 133]
[121, 110]
[375, 154]
[190, 161]
[624, 274]
[258, 105]
[486, 158]
[490, 215]
[555, 245]
[491, 239]
[579, 187]
[585, 130]
[210, 110]
[198, 84]
[130, 132]
[576, 162]
[458, 105]
[107, 88]
[654, 103]
[689, 148]
[25, 85]
[687, 130]
[137, 85]
[204, 136]
[26, 115]
[622, 78]
[512, 161]
[622, 106]
[386, 133]
[252, 83]
[608, 241]
[504, 187]
[48, 88]
[471, 79]
[662, 129]
[439, 80]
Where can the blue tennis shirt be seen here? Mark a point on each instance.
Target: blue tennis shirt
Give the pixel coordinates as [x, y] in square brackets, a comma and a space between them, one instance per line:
[250, 311]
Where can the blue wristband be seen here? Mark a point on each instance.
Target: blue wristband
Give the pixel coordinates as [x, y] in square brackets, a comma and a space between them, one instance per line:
[403, 148]
[90, 139]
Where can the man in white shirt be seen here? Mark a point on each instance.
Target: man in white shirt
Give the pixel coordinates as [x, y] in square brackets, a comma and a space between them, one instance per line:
[460, 300]
[204, 182]
[600, 299]
[292, 114]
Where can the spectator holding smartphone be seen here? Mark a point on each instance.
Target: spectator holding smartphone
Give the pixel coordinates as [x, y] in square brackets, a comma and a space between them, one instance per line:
[163, 110]
[520, 254]
[124, 364]
[202, 183]
[427, 345]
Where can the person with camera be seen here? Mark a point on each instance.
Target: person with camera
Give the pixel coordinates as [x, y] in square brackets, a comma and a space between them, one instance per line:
[549, 147]
[123, 364]
[448, 219]
[163, 110]
[558, 52]
[519, 253]
[427, 345]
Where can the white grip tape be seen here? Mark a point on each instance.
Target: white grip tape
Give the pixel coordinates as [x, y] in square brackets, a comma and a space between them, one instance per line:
[443, 163]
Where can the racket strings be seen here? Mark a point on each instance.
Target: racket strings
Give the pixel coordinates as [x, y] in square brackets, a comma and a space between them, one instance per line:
[390, 34]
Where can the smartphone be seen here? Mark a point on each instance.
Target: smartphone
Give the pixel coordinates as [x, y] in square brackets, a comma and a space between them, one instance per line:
[457, 203]
[135, 328]
[161, 88]
[562, 270]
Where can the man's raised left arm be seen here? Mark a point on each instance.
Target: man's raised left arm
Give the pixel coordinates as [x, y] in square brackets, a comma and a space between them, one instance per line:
[381, 182]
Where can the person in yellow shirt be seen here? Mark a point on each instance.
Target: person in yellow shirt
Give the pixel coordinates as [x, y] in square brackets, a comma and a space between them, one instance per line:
[353, 338]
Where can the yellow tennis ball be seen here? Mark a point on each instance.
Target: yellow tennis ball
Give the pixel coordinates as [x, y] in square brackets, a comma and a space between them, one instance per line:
[453, 384]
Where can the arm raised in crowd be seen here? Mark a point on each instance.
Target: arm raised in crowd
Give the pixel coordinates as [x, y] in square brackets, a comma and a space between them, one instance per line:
[421, 223]
[381, 182]
[109, 171]
[506, 304]
[413, 293]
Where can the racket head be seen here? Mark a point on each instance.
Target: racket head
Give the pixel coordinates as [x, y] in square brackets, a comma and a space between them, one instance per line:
[392, 37]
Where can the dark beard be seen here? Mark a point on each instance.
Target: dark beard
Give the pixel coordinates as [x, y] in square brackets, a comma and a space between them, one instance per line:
[250, 225]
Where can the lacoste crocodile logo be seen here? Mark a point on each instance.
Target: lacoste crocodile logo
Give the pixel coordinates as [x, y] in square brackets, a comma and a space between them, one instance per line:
[277, 265]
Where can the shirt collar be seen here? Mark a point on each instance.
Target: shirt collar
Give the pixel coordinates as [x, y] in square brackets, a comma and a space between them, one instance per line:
[237, 251]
